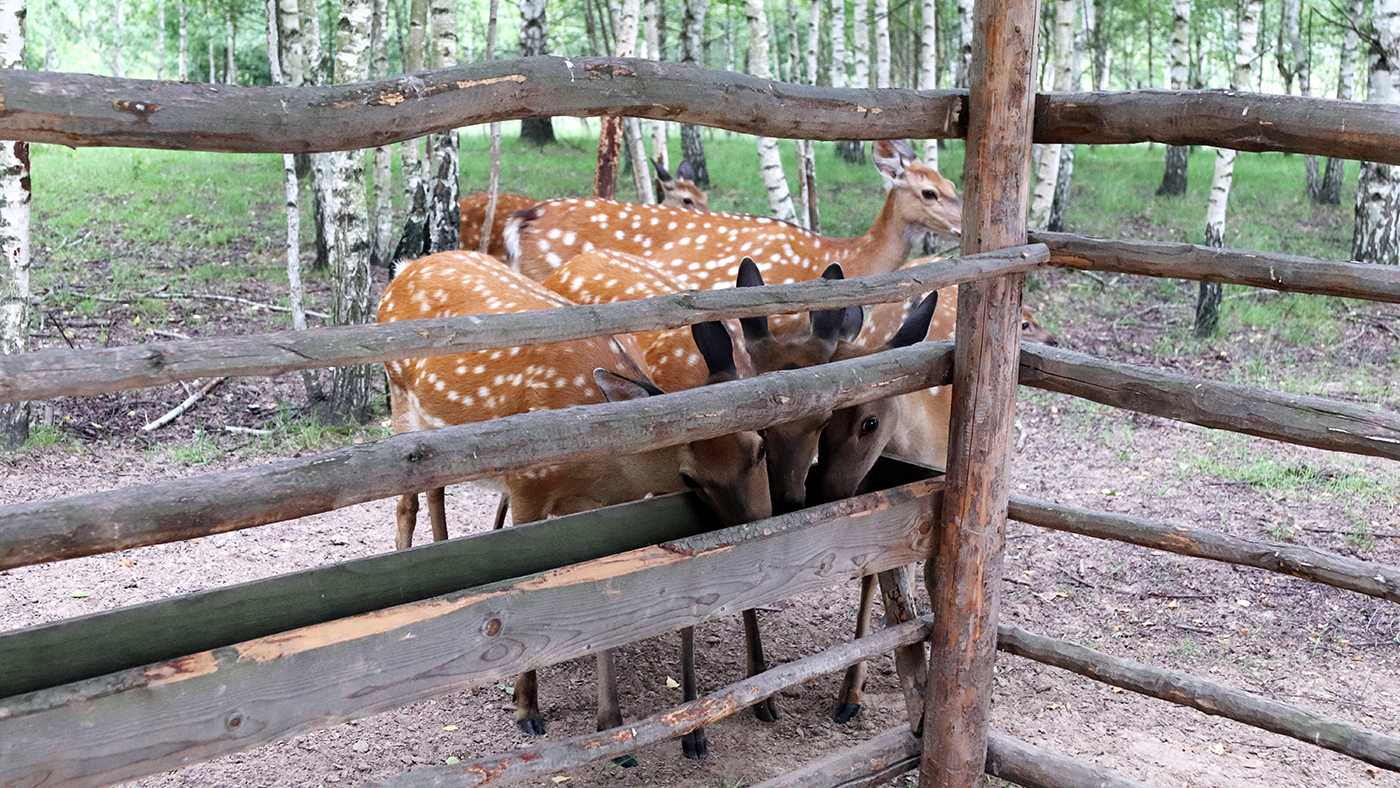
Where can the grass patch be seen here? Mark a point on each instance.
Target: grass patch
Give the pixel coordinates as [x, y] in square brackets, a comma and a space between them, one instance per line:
[1236, 459]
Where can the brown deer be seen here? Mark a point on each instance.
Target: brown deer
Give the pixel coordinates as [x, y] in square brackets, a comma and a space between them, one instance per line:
[913, 426]
[728, 472]
[679, 192]
[703, 252]
[606, 277]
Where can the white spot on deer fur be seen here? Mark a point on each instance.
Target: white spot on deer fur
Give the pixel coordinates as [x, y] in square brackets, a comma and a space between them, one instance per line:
[646, 242]
[619, 235]
[669, 245]
[553, 259]
[588, 246]
[655, 220]
[454, 396]
[462, 369]
[543, 245]
[589, 203]
[439, 386]
[479, 369]
[554, 234]
[693, 267]
[570, 238]
[672, 226]
[690, 225]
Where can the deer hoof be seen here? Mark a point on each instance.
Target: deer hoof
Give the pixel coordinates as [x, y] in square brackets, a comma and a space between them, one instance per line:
[694, 746]
[534, 726]
[845, 712]
[766, 710]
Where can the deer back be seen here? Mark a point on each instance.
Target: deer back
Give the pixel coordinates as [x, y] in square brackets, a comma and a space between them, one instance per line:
[473, 209]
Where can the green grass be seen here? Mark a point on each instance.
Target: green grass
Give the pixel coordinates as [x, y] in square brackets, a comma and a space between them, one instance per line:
[1232, 459]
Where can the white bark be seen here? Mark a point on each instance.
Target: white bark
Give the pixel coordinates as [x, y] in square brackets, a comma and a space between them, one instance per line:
[769, 163]
[814, 30]
[383, 170]
[160, 39]
[928, 68]
[628, 27]
[118, 38]
[283, 59]
[882, 43]
[1062, 69]
[838, 44]
[1376, 236]
[412, 161]
[1241, 79]
[659, 128]
[860, 50]
[444, 215]
[964, 60]
[1181, 44]
[230, 48]
[184, 61]
[14, 233]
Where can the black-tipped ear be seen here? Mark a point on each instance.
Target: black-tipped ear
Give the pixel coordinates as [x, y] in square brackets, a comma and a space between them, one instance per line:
[834, 273]
[915, 326]
[617, 388]
[755, 328]
[852, 323]
[686, 171]
[827, 324]
[661, 173]
[715, 346]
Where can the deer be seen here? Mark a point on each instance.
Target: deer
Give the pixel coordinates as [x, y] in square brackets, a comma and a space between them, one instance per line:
[605, 277]
[704, 252]
[728, 472]
[912, 426]
[679, 192]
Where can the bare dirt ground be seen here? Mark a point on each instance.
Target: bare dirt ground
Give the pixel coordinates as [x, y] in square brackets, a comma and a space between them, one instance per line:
[1335, 652]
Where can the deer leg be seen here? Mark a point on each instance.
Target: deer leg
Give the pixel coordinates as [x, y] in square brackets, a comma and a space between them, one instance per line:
[501, 508]
[527, 704]
[437, 513]
[407, 516]
[853, 687]
[766, 710]
[609, 709]
[897, 590]
[693, 745]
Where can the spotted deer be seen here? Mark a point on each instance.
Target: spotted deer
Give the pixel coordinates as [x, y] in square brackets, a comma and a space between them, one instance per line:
[913, 426]
[728, 472]
[703, 252]
[606, 277]
[679, 192]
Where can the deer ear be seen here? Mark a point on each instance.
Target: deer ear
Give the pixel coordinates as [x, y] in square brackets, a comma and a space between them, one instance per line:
[827, 324]
[715, 346]
[892, 157]
[852, 322]
[661, 173]
[617, 388]
[915, 326]
[755, 328]
[686, 170]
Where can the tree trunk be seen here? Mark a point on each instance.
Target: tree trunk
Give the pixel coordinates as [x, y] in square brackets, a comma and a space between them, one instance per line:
[882, 43]
[230, 48]
[1062, 73]
[928, 67]
[184, 64]
[860, 49]
[444, 212]
[1060, 205]
[534, 31]
[413, 159]
[692, 33]
[351, 386]
[160, 39]
[652, 29]
[769, 162]
[1208, 300]
[14, 234]
[850, 150]
[1329, 190]
[964, 58]
[380, 252]
[1376, 237]
[1174, 172]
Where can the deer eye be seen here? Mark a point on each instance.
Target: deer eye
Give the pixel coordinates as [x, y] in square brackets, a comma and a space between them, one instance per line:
[869, 425]
[930, 194]
[1025, 325]
[762, 452]
[689, 201]
[689, 481]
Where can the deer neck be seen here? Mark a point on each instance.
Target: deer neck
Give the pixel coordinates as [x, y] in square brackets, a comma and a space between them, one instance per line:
[883, 248]
[582, 485]
[922, 434]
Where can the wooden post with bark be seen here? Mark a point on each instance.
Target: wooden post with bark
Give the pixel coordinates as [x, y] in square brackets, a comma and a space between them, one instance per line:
[964, 572]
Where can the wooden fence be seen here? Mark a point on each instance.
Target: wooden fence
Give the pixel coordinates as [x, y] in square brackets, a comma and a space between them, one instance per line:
[333, 642]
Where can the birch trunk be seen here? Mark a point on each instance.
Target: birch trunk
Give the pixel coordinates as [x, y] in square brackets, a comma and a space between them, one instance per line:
[534, 31]
[659, 128]
[860, 47]
[882, 43]
[1376, 236]
[184, 61]
[230, 48]
[1062, 68]
[14, 234]
[1330, 191]
[493, 187]
[806, 149]
[413, 159]
[1209, 297]
[444, 213]
[851, 150]
[692, 34]
[381, 253]
[964, 58]
[118, 38]
[1174, 170]
[160, 39]
[351, 386]
[769, 162]
[928, 67]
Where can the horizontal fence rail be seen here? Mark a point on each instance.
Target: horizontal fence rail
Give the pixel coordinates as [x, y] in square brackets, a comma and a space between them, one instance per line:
[64, 372]
[1318, 566]
[168, 714]
[1211, 697]
[1288, 273]
[79, 109]
[1291, 418]
[228, 500]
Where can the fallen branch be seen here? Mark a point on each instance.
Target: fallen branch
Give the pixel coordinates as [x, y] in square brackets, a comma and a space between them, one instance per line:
[180, 409]
[1350, 532]
[246, 430]
[207, 297]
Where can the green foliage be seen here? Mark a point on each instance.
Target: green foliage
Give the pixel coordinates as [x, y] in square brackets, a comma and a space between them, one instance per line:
[47, 436]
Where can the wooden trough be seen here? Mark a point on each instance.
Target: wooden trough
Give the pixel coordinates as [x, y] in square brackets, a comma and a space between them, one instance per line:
[257, 662]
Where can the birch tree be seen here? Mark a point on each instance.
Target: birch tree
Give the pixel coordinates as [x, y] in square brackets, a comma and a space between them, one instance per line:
[629, 22]
[183, 67]
[350, 266]
[1208, 300]
[692, 33]
[928, 67]
[1329, 191]
[413, 159]
[160, 39]
[850, 150]
[444, 212]
[769, 162]
[1376, 237]
[383, 161]
[534, 32]
[1174, 171]
[964, 58]
[493, 187]
[1062, 70]
[14, 234]
[651, 35]
[860, 45]
[806, 149]
[882, 43]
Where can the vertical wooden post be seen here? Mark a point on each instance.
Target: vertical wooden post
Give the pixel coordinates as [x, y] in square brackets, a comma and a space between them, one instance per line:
[964, 573]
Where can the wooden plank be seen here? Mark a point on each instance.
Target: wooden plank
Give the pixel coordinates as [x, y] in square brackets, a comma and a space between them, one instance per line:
[1319, 566]
[549, 758]
[1288, 273]
[1292, 418]
[1211, 697]
[50, 373]
[1222, 118]
[184, 508]
[169, 714]
[80, 648]
[1035, 767]
[963, 574]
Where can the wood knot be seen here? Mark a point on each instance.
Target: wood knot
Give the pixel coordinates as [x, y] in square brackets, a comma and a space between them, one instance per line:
[140, 109]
